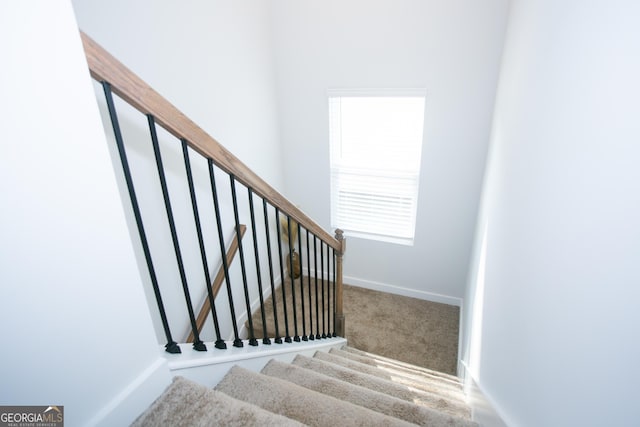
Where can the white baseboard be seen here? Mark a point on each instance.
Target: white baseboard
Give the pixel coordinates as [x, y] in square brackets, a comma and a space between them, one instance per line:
[135, 397]
[484, 411]
[398, 290]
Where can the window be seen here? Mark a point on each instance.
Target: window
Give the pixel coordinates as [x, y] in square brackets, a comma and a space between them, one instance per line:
[376, 145]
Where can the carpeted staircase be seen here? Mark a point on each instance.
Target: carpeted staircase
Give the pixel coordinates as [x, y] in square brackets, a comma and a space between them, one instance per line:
[345, 387]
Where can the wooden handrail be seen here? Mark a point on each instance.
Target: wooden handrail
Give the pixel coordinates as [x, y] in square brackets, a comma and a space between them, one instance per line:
[217, 283]
[104, 67]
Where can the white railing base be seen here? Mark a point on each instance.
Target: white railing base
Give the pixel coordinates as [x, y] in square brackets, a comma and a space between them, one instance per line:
[209, 367]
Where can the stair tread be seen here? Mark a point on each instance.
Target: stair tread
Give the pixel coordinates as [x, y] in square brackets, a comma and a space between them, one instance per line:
[361, 396]
[307, 406]
[396, 370]
[436, 388]
[185, 402]
[449, 406]
[394, 362]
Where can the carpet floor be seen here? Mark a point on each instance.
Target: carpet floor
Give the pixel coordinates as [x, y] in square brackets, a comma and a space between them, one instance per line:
[410, 330]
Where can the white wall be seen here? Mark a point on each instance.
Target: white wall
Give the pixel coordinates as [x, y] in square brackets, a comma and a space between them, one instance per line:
[73, 330]
[450, 48]
[213, 60]
[557, 344]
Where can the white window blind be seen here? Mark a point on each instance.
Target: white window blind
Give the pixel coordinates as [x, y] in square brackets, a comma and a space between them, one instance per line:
[376, 145]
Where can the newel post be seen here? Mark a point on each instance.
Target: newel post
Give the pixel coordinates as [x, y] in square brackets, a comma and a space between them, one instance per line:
[339, 321]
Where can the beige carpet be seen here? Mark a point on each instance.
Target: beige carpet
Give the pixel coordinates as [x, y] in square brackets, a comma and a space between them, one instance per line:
[362, 395]
[410, 382]
[377, 401]
[340, 388]
[381, 361]
[411, 330]
[185, 403]
[453, 407]
[407, 329]
[299, 403]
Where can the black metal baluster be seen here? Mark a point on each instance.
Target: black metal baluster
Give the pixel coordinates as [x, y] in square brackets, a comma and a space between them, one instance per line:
[311, 335]
[334, 293]
[293, 285]
[277, 339]
[252, 336]
[324, 335]
[287, 338]
[304, 330]
[237, 342]
[197, 342]
[220, 344]
[315, 265]
[171, 346]
[265, 339]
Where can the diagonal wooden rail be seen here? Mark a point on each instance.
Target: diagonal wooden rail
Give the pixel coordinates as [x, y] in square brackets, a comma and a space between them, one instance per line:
[217, 283]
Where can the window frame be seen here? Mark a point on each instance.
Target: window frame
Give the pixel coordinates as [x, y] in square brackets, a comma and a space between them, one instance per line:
[339, 169]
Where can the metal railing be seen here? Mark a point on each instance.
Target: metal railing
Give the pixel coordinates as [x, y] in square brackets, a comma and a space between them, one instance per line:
[324, 280]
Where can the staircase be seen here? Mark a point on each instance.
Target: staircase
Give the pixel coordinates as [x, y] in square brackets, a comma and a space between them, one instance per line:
[342, 387]
[346, 387]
